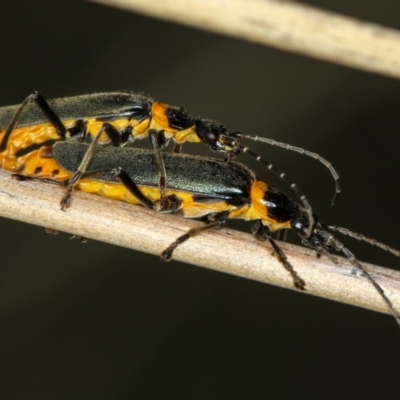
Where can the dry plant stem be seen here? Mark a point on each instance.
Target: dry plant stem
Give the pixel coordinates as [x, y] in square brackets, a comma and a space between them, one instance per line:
[285, 25]
[223, 250]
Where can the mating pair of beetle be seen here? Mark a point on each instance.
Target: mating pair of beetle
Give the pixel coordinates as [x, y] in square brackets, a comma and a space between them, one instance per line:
[63, 142]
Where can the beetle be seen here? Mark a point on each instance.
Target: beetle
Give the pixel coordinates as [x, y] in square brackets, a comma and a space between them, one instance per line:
[122, 117]
[199, 187]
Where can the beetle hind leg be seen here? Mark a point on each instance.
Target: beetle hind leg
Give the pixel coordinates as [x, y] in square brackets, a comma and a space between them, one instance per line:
[216, 221]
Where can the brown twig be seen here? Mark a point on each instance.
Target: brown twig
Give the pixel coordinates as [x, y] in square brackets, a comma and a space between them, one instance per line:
[223, 250]
[285, 25]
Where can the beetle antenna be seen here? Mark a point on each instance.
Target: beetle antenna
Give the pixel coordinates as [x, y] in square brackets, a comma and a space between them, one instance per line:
[286, 146]
[366, 274]
[362, 238]
[323, 240]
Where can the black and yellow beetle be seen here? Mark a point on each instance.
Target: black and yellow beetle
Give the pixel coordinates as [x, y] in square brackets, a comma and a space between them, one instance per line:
[122, 117]
[199, 187]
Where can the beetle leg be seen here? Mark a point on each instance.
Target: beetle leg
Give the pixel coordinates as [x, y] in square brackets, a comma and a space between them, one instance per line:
[216, 221]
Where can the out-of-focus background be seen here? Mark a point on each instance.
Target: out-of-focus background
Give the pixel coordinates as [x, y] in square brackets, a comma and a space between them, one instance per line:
[100, 322]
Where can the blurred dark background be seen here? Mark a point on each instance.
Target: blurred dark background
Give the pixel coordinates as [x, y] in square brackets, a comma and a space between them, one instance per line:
[100, 322]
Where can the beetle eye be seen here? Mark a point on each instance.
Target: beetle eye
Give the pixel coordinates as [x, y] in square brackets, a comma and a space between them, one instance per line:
[211, 137]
